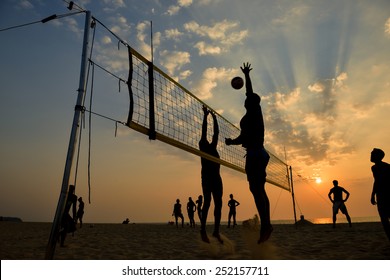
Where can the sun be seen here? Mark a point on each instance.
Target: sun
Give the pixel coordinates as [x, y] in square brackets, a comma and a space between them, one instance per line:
[318, 180]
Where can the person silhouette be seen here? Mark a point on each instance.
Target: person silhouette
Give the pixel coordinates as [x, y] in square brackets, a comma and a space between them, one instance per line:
[126, 222]
[252, 139]
[232, 210]
[199, 203]
[380, 195]
[177, 213]
[191, 208]
[68, 223]
[211, 178]
[80, 211]
[338, 201]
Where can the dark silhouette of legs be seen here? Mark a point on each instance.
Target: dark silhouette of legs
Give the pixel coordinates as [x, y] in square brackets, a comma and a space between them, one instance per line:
[205, 210]
[255, 167]
[384, 214]
[217, 196]
[230, 217]
[211, 188]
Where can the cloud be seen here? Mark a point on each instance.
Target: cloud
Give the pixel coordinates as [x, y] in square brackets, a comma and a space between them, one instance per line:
[142, 38]
[290, 15]
[204, 48]
[113, 5]
[387, 27]
[307, 121]
[210, 79]
[106, 40]
[222, 36]
[25, 4]
[73, 26]
[173, 34]
[120, 26]
[174, 9]
[173, 61]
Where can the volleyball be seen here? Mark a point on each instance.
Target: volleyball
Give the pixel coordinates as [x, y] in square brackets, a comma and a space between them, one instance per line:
[237, 82]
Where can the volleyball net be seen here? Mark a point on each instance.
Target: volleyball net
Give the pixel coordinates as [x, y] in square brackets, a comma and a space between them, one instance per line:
[164, 110]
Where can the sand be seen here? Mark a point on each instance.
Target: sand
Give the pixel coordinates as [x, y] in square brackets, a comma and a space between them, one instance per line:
[363, 241]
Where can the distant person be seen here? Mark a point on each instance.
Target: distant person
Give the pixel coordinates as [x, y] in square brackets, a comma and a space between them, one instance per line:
[211, 178]
[199, 203]
[191, 208]
[80, 211]
[338, 201]
[381, 189]
[178, 213]
[68, 222]
[252, 139]
[126, 222]
[232, 210]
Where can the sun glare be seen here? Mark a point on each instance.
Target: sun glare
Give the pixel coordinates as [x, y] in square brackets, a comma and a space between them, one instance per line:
[318, 180]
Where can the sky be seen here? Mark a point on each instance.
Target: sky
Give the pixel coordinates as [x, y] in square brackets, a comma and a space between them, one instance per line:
[322, 69]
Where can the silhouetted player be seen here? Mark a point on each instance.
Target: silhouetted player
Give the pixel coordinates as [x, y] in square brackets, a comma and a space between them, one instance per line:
[252, 139]
[80, 211]
[338, 201]
[199, 204]
[177, 213]
[191, 208]
[381, 189]
[68, 223]
[232, 210]
[211, 178]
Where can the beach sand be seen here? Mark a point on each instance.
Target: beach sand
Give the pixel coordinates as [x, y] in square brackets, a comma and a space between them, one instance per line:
[28, 240]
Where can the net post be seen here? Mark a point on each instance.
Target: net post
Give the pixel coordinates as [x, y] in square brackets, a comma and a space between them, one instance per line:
[152, 126]
[291, 182]
[49, 254]
[129, 86]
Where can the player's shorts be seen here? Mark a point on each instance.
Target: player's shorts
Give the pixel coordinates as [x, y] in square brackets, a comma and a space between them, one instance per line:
[339, 205]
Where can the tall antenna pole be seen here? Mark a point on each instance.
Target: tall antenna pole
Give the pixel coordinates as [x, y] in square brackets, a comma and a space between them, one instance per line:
[72, 143]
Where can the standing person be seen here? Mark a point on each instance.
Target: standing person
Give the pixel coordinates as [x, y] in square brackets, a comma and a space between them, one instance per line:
[252, 139]
[211, 178]
[177, 213]
[199, 203]
[68, 223]
[80, 211]
[380, 195]
[232, 210]
[191, 208]
[338, 201]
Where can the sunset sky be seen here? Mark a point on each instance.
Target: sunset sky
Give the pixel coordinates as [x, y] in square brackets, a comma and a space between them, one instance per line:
[322, 69]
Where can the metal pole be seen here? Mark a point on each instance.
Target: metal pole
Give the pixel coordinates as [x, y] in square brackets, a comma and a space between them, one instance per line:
[292, 193]
[72, 143]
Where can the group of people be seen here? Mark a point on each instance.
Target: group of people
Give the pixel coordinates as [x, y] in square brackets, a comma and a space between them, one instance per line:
[380, 195]
[198, 206]
[252, 139]
[69, 222]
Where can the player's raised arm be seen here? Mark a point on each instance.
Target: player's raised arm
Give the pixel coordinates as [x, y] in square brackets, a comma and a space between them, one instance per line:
[248, 83]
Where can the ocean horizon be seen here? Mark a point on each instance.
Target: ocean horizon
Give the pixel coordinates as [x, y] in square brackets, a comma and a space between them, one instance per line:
[328, 220]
